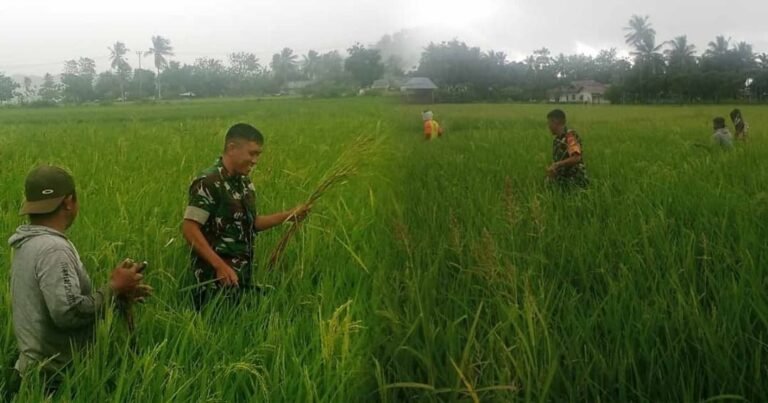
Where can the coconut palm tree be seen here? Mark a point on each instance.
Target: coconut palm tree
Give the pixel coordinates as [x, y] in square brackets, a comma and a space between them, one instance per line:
[638, 29]
[647, 54]
[120, 64]
[284, 65]
[745, 55]
[161, 48]
[719, 47]
[681, 54]
[309, 64]
[543, 58]
[117, 54]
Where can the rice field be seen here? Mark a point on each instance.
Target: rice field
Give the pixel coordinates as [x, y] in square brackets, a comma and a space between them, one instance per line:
[440, 271]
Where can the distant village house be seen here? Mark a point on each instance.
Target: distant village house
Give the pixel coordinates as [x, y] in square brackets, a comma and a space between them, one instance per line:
[419, 90]
[585, 92]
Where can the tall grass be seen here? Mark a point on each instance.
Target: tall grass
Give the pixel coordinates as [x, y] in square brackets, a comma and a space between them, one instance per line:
[444, 271]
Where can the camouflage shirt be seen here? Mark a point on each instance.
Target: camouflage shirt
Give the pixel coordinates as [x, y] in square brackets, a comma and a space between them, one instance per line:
[225, 207]
[568, 144]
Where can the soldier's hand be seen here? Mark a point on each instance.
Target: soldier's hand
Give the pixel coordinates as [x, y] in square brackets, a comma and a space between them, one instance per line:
[551, 171]
[227, 277]
[126, 278]
[300, 212]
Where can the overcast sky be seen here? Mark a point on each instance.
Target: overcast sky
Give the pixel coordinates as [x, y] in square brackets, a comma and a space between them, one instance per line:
[36, 36]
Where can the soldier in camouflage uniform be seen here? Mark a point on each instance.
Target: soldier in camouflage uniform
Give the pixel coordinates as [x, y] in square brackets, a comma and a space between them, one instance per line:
[567, 167]
[220, 222]
[742, 128]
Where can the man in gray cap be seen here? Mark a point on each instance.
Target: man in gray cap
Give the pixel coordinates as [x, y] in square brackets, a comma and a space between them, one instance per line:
[55, 307]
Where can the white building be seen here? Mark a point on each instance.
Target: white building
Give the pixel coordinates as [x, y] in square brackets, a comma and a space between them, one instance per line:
[583, 92]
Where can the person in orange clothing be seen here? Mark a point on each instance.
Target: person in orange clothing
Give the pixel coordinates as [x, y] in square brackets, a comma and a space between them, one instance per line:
[432, 129]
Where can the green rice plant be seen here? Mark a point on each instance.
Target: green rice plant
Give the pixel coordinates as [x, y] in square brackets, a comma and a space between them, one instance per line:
[434, 271]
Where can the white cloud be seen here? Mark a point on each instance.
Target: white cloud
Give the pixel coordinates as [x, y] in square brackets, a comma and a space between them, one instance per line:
[584, 49]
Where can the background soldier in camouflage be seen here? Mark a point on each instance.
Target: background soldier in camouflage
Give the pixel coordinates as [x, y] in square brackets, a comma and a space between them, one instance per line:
[742, 128]
[567, 163]
[221, 221]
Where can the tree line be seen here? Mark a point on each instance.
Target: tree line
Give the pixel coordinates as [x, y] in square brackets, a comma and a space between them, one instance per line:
[242, 74]
[657, 72]
[670, 71]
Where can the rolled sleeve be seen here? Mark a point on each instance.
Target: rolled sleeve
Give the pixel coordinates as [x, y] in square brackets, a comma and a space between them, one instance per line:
[574, 148]
[196, 214]
[202, 201]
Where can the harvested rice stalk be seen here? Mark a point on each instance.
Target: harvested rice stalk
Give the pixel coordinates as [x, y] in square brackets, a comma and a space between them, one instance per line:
[125, 304]
[346, 166]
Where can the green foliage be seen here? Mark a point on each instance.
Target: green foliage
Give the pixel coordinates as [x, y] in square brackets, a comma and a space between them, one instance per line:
[209, 77]
[77, 80]
[7, 88]
[108, 86]
[364, 65]
[41, 103]
[456, 94]
[285, 66]
[329, 67]
[142, 84]
[50, 91]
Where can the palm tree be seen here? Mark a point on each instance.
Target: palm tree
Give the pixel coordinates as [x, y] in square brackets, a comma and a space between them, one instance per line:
[542, 58]
[681, 54]
[647, 48]
[648, 55]
[531, 62]
[719, 47]
[161, 47]
[638, 30]
[117, 55]
[309, 64]
[120, 64]
[284, 65]
[560, 64]
[745, 54]
[496, 58]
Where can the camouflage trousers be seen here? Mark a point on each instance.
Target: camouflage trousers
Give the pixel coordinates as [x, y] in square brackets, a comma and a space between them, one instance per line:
[572, 182]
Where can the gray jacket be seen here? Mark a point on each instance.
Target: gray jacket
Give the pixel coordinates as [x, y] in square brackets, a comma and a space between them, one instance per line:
[723, 138]
[54, 305]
